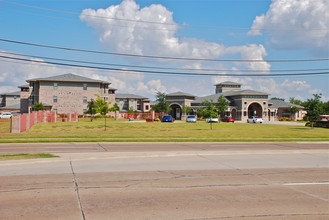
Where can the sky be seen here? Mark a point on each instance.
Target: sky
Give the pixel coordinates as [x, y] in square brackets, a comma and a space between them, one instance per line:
[212, 36]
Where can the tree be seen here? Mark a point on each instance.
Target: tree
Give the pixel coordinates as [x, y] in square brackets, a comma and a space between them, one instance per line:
[293, 110]
[276, 98]
[114, 108]
[295, 101]
[222, 104]
[186, 109]
[325, 108]
[91, 108]
[162, 104]
[102, 107]
[209, 110]
[313, 107]
[131, 110]
[38, 106]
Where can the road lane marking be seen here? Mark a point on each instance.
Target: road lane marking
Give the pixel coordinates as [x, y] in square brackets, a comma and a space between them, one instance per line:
[301, 184]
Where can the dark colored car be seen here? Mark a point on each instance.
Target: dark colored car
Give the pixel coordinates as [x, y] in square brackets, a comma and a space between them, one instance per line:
[167, 118]
[228, 119]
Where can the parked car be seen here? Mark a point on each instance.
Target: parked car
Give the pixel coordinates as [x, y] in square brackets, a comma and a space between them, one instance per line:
[191, 118]
[5, 115]
[255, 119]
[212, 120]
[228, 119]
[167, 118]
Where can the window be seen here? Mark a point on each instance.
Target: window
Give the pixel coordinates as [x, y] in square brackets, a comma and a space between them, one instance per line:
[55, 85]
[84, 111]
[84, 99]
[15, 97]
[139, 106]
[245, 113]
[54, 98]
[125, 105]
[286, 114]
[146, 107]
[84, 86]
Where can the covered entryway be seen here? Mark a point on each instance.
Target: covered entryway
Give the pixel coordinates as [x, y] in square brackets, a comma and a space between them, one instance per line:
[255, 109]
[233, 113]
[176, 111]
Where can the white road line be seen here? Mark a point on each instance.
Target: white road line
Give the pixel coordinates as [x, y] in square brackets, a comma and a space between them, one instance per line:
[301, 184]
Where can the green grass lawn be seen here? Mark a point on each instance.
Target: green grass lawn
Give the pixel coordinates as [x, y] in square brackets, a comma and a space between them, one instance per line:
[122, 130]
[25, 156]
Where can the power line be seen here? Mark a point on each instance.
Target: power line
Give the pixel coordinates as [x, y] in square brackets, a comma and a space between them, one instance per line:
[162, 72]
[157, 67]
[161, 23]
[159, 57]
[135, 27]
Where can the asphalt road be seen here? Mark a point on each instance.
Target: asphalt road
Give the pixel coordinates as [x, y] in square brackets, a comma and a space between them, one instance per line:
[166, 181]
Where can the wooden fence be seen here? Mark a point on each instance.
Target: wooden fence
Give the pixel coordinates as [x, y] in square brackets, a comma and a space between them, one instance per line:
[23, 122]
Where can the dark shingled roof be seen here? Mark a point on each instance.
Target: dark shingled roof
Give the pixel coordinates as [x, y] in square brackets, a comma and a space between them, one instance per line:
[180, 94]
[128, 96]
[24, 86]
[11, 93]
[282, 104]
[13, 107]
[243, 92]
[228, 83]
[68, 78]
[213, 97]
[228, 94]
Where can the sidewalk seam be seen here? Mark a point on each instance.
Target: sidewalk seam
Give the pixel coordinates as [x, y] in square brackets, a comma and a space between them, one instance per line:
[77, 191]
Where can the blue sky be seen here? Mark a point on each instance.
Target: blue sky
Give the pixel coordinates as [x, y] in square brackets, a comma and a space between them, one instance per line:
[212, 29]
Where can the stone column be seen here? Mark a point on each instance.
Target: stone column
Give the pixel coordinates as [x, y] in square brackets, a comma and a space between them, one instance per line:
[16, 123]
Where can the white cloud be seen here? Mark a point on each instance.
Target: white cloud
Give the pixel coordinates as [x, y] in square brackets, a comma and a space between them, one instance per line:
[252, 52]
[156, 39]
[145, 38]
[288, 21]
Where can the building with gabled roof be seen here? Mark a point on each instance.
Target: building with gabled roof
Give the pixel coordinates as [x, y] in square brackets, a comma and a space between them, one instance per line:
[10, 102]
[281, 109]
[67, 93]
[243, 103]
[132, 102]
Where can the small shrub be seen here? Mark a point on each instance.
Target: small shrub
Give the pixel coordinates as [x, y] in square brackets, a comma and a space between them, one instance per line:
[285, 119]
[157, 119]
[149, 119]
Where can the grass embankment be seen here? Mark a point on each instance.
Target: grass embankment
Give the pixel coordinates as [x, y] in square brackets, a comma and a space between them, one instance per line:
[120, 130]
[25, 156]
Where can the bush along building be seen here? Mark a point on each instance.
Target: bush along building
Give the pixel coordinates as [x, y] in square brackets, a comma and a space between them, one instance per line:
[68, 93]
[243, 103]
